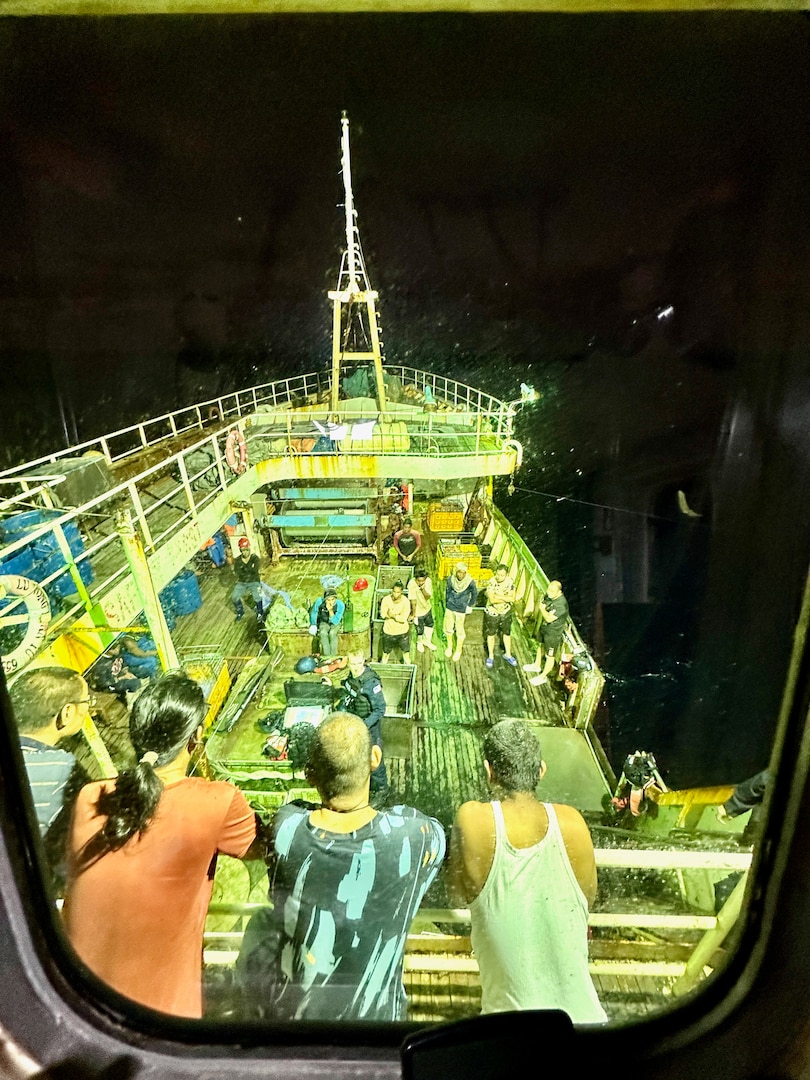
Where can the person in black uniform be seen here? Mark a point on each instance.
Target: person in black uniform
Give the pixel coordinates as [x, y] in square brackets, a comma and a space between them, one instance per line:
[554, 610]
[361, 693]
[248, 580]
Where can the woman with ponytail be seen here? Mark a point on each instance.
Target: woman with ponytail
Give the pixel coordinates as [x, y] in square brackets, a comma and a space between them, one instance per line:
[142, 856]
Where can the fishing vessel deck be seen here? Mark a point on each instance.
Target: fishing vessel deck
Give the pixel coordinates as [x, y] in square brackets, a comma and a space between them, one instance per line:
[106, 527]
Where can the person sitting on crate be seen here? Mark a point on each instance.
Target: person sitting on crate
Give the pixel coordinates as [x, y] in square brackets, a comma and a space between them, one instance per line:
[407, 542]
[498, 614]
[420, 593]
[395, 611]
[460, 595]
[324, 621]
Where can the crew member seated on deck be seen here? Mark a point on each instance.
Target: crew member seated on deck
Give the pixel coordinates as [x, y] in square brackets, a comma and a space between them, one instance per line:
[554, 612]
[140, 656]
[498, 614]
[324, 621]
[361, 694]
[527, 872]
[345, 883]
[246, 568]
[395, 611]
[111, 674]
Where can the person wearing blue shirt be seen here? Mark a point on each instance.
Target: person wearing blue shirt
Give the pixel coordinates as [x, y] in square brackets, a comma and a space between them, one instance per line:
[345, 883]
[460, 595]
[324, 619]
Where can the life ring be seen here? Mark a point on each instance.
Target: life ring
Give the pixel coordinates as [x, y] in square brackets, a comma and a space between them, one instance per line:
[38, 610]
[236, 451]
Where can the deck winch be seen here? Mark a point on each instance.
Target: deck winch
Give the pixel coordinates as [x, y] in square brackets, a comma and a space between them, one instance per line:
[326, 518]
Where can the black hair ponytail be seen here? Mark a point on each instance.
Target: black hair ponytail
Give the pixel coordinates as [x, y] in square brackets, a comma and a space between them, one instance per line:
[164, 717]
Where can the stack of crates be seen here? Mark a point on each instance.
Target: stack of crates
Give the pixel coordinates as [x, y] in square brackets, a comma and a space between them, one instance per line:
[453, 549]
[445, 517]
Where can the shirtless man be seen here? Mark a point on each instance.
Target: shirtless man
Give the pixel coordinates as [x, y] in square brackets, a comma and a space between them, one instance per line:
[526, 870]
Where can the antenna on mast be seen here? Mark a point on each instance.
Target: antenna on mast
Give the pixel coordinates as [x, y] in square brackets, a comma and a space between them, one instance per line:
[354, 318]
[351, 213]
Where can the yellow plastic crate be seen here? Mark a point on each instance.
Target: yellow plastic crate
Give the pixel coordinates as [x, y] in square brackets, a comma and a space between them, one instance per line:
[445, 520]
[482, 575]
[445, 563]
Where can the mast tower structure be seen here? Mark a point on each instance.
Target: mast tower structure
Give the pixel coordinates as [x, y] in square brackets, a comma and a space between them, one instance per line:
[354, 315]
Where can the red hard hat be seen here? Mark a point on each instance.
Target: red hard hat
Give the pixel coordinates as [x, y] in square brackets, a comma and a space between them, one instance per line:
[244, 542]
[360, 584]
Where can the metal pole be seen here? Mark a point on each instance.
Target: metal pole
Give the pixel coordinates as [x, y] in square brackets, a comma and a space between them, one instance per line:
[147, 593]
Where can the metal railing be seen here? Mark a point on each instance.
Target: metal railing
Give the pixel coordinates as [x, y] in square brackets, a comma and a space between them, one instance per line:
[121, 444]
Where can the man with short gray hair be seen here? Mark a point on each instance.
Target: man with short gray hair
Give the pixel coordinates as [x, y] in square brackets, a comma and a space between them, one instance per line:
[526, 870]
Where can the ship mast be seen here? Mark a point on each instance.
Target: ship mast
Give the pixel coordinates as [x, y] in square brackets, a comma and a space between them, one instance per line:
[355, 330]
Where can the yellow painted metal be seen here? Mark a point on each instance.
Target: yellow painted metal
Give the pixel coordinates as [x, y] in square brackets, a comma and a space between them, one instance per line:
[145, 586]
[711, 941]
[98, 749]
[216, 697]
[71, 651]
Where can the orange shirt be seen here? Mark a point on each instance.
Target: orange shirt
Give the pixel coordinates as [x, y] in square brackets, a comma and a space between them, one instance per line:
[136, 916]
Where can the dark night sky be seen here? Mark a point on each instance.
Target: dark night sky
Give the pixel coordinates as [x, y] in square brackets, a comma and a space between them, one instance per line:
[173, 183]
[531, 190]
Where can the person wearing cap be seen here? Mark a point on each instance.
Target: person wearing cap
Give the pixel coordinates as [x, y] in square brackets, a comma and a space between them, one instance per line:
[248, 581]
[324, 621]
[460, 595]
[420, 593]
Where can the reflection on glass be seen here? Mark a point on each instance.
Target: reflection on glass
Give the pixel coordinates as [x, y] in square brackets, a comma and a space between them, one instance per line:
[512, 513]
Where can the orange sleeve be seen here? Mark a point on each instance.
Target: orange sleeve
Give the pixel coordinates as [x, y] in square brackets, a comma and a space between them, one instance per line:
[238, 826]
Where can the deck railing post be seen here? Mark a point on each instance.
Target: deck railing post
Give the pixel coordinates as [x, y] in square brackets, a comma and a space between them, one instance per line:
[181, 465]
[147, 593]
[135, 496]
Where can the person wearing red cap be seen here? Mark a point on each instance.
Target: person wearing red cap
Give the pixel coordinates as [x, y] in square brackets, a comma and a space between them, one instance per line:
[246, 568]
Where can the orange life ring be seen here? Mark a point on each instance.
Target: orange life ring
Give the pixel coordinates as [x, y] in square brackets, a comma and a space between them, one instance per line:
[236, 451]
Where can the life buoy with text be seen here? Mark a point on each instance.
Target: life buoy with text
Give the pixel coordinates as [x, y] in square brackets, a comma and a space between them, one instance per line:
[236, 451]
[37, 616]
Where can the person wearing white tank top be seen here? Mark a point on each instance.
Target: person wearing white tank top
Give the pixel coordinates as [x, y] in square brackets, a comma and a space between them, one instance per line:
[527, 871]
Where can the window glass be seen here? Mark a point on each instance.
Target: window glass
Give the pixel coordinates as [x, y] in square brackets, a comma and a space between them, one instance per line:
[442, 371]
